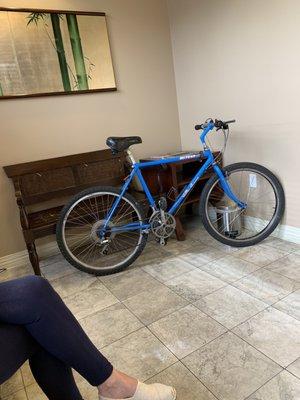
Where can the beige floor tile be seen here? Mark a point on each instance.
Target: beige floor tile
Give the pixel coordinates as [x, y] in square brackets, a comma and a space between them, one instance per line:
[28, 378]
[288, 266]
[195, 284]
[229, 268]
[294, 368]
[230, 306]
[34, 392]
[282, 245]
[151, 305]
[150, 254]
[17, 272]
[72, 284]
[284, 386]
[186, 330]
[194, 234]
[199, 255]
[168, 269]
[20, 395]
[231, 368]
[52, 259]
[12, 385]
[260, 255]
[267, 285]
[110, 324]
[93, 299]
[178, 247]
[274, 333]
[290, 304]
[58, 269]
[187, 386]
[87, 391]
[210, 241]
[140, 354]
[130, 283]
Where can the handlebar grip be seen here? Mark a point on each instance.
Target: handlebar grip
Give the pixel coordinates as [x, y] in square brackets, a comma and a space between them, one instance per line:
[230, 122]
[198, 127]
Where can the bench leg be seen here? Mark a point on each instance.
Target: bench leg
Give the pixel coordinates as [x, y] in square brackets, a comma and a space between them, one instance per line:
[180, 235]
[34, 259]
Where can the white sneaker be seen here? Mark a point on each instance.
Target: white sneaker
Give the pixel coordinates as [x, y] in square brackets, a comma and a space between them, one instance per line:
[155, 391]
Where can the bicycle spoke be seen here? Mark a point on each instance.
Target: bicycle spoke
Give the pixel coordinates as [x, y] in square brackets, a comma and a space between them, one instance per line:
[242, 223]
[84, 222]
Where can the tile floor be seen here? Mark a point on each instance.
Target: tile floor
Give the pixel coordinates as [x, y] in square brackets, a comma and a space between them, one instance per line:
[215, 322]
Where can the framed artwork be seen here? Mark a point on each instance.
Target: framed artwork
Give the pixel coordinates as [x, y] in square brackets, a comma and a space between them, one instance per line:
[50, 52]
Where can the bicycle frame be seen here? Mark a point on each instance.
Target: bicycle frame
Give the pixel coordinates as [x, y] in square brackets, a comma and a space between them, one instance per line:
[136, 172]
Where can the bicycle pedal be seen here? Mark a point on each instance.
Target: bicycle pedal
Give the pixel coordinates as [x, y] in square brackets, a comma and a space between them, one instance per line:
[163, 241]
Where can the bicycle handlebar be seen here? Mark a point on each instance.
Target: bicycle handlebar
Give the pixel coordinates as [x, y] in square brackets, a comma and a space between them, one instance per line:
[217, 124]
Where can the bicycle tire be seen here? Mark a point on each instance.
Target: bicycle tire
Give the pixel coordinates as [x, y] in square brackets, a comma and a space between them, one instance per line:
[280, 198]
[60, 228]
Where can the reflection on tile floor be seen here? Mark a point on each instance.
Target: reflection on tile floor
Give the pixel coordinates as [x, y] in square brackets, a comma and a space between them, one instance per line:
[215, 322]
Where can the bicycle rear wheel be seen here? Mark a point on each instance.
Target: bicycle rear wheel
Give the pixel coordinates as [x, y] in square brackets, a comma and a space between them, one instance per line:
[79, 224]
[254, 185]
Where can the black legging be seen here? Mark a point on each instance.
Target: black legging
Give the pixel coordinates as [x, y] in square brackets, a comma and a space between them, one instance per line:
[35, 324]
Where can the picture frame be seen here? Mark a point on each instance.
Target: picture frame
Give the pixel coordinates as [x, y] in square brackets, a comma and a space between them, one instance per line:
[54, 52]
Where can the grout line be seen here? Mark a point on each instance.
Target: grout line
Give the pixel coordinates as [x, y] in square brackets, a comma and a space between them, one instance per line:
[192, 373]
[263, 385]
[189, 302]
[285, 276]
[258, 298]
[261, 352]
[179, 360]
[123, 337]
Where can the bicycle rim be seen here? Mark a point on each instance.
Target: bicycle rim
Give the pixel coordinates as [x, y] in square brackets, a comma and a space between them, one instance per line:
[252, 187]
[84, 219]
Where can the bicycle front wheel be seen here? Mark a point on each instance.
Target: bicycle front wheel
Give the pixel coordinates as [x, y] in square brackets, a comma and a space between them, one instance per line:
[79, 225]
[254, 185]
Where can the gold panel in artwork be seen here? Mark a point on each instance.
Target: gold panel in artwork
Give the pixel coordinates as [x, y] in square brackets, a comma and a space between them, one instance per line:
[47, 52]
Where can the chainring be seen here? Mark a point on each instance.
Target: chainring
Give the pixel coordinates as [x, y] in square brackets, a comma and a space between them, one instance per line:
[162, 224]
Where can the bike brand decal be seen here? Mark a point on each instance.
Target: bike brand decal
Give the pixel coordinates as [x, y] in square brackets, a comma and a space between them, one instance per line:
[188, 157]
[188, 188]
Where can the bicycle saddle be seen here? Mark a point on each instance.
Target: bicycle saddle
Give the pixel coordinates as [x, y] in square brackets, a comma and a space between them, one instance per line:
[117, 144]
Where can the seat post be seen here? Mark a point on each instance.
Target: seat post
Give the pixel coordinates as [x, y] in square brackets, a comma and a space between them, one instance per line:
[130, 157]
[132, 161]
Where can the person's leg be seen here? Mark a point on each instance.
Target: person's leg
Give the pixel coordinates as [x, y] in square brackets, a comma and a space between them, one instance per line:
[55, 378]
[32, 302]
[16, 346]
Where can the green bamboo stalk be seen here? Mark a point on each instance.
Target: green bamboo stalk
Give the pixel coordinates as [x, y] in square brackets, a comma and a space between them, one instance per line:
[75, 39]
[1, 90]
[61, 52]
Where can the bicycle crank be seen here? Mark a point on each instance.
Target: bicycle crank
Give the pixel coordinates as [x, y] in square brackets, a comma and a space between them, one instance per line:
[162, 225]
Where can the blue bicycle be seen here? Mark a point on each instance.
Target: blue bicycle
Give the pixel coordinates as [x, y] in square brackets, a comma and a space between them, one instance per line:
[104, 229]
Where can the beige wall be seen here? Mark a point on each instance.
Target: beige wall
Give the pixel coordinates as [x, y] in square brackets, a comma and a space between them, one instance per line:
[145, 104]
[241, 59]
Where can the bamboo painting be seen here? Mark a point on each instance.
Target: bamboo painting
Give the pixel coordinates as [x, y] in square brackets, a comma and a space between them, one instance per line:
[61, 52]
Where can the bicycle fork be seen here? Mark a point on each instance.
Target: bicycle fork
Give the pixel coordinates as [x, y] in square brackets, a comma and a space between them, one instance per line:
[226, 187]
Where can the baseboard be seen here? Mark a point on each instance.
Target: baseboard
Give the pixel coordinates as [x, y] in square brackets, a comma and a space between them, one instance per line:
[289, 233]
[21, 258]
[284, 232]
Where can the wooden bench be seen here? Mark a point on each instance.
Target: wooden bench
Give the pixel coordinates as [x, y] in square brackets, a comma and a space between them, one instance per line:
[43, 187]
